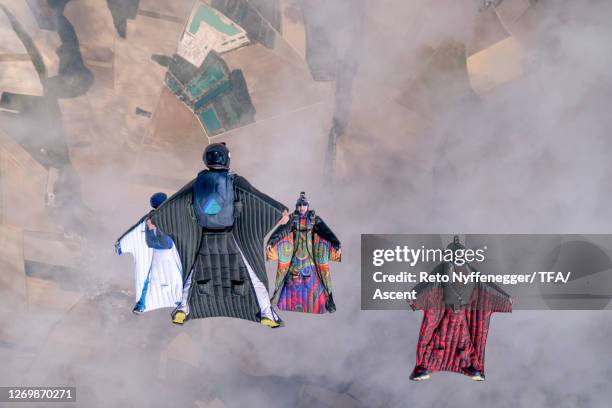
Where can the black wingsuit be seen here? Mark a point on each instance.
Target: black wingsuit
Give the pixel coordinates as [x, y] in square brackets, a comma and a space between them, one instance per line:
[221, 285]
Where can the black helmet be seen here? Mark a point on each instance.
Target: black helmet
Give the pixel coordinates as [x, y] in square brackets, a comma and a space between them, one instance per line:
[217, 156]
[157, 199]
[456, 244]
[302, 200]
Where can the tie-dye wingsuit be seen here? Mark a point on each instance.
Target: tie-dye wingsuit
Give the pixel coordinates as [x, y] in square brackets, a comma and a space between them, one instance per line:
[304, 247]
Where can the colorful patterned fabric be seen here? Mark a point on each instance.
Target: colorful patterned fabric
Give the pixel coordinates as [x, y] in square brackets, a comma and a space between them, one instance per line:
[303, 279]
[303, 294]
[455, 339]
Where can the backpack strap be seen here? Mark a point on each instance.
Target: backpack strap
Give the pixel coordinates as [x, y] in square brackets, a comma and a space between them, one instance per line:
[238, 206]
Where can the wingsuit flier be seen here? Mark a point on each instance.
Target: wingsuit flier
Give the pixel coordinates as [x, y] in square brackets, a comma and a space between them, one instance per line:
[218, 222]
[158, 279]
[304, 247]
[456, 319]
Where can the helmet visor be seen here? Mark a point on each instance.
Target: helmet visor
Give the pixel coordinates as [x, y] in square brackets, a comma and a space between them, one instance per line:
[215, 158]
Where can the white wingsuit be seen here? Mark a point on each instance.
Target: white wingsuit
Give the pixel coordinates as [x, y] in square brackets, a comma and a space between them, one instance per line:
[158, 278]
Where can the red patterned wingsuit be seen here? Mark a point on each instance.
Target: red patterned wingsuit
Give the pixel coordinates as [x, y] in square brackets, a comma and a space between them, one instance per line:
[455, 326]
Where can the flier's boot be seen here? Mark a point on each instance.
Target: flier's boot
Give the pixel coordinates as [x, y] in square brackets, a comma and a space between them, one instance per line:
[269, 323]
[138, 310]
[478, 376]
[475, 374]
[179, 316]
[273, 320]
[277, 318]
[420, 374]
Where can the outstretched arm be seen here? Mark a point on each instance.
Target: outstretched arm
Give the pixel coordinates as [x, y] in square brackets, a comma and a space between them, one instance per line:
[160, 219]
[118, 248]
[155, 238]
[492, 286]
[326, 233]
[244, 184]
[282, 230]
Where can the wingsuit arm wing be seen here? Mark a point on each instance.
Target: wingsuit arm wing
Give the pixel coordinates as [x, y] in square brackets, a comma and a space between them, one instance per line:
[118, 249]
[429, 295]
[244, 185]
[321, 229]
[279, 233]
[499, 290]
[325, 234]
[129, 241]
[493, 298]
[282, 231]
[175, 218]
[258, 215]
[176, 204]
[282, 252]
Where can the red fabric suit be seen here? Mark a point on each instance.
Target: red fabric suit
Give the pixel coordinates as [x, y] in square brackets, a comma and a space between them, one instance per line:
[453, 334]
